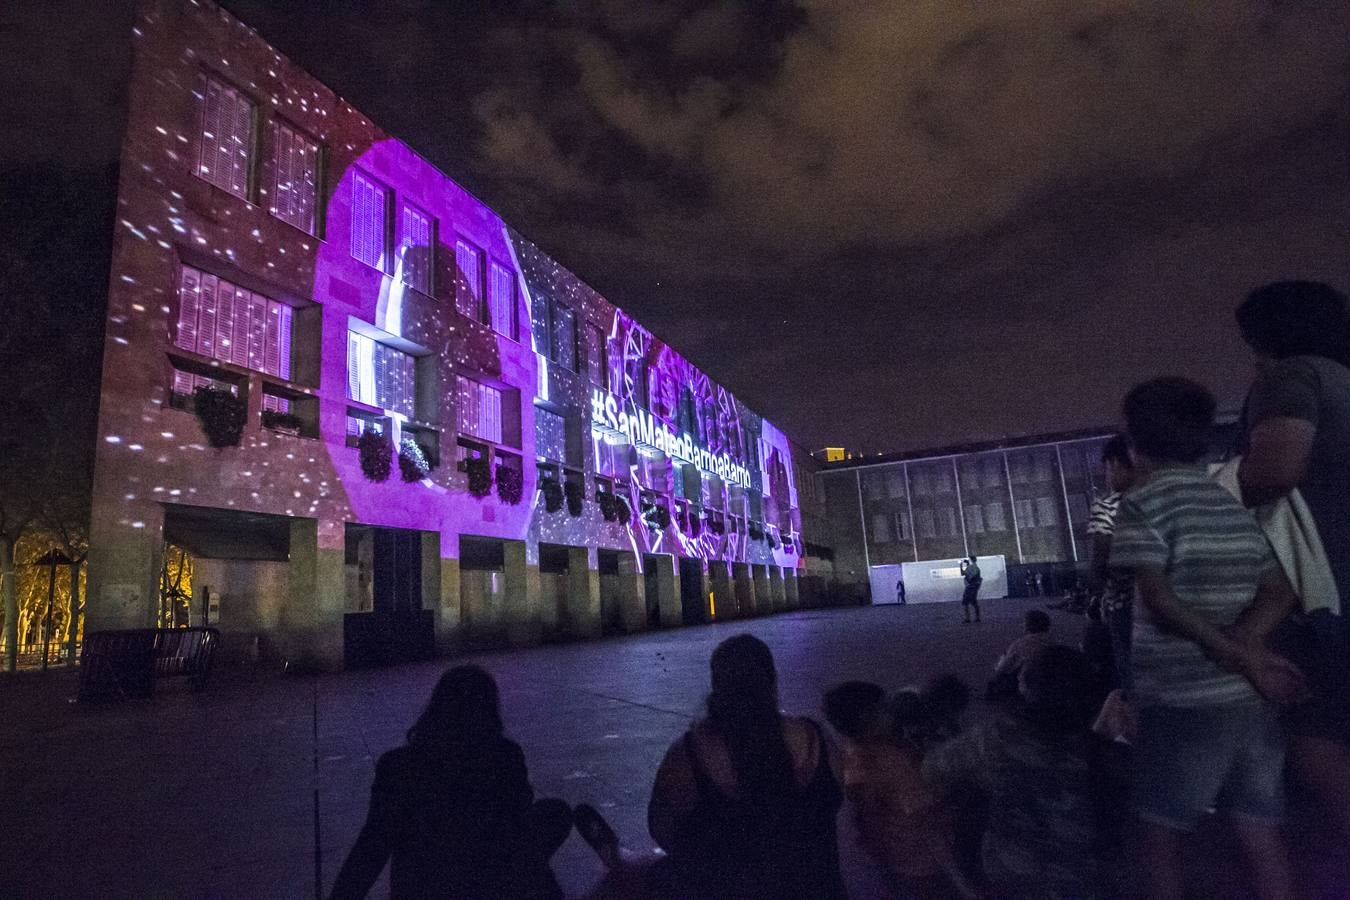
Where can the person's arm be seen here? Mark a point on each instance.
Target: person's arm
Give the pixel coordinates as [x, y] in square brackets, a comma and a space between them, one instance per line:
[1283, 410]
[1274, 677]
[1101, 554]
[375, 842]
[674, 793]
[1275, 600]
[1277, 456]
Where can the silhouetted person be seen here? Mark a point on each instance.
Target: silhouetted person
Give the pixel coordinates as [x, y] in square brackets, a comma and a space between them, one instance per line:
[745, 801]
[453, 810]
[1298, 439]
[900, 592]
[1042, 833]
[970, 598]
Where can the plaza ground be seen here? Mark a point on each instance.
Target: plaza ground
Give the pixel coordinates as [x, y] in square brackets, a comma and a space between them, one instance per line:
[212, 794]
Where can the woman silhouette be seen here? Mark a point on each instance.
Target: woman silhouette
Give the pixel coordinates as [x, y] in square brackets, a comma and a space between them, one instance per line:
[453, 810]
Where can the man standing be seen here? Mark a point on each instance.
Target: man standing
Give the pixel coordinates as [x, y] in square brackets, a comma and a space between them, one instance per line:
[970, 570]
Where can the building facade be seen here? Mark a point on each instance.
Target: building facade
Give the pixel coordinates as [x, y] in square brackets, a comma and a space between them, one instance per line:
[446, 436]
[1025, 501]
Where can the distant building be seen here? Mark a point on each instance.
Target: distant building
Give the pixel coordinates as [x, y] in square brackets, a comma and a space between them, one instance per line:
[1025, 499]
[273, 244]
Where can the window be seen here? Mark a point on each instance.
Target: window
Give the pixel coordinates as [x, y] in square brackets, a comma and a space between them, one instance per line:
[881, 529]
[381, 376]
[294, 186]
[1044, 469]
[873, 487]
[1026, 513]
[226, 322]
[943, 479]
[921, 485]
[902, 531]
[550, 435]
[597, 364]
[924, 523]
[895, 484]
[563, 336]
[416, 247]
[224, 156]
[480, 409]
[950, 526]
[358, 421]
[993, 473]
[370, 221]
[502, 301]
[975, 518]
[1047, 512]
[469, 285]
[1072, 459]
[994, 519]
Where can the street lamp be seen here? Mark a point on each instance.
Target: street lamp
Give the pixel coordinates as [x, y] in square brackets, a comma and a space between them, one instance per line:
[51, 559]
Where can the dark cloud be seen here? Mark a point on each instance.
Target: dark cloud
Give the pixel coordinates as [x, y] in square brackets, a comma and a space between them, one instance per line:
[886, 224]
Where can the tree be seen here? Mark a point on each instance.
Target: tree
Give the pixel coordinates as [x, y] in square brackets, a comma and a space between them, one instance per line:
[56, 227]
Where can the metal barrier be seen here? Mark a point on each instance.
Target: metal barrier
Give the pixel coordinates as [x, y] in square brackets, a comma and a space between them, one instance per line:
[124, 664]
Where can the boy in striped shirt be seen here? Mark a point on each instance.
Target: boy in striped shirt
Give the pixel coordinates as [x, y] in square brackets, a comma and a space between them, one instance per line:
[1208, 735]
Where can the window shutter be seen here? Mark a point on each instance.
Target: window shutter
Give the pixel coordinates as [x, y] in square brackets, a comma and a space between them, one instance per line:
[189, 306]
[242, 138]
[243, 307]
[285, 319]
[257, 332]
[469, 289]
[354, 366]
[224, 320]
[206, 322]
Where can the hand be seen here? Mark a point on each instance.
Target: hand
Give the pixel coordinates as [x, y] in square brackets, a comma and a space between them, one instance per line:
[1274, 677]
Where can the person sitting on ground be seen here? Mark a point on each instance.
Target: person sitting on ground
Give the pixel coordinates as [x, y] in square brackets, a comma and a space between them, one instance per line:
[1035, 639]
[1041, 838]
[1202, 568]
[745, 801]
[453, 810]
[892, 806]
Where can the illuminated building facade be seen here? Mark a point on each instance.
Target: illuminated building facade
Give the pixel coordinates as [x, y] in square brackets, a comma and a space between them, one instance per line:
[554, 470]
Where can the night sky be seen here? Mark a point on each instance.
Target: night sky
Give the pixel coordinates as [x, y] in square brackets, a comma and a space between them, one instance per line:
[882, 224]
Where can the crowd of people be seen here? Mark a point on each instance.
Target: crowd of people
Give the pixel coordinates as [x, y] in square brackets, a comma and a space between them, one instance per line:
[1213, 652]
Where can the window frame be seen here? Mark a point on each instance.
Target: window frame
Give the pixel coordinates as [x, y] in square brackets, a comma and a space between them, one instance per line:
[320, 164]
[433, 224]
[251, 161]
[480, 307]
[386, 247]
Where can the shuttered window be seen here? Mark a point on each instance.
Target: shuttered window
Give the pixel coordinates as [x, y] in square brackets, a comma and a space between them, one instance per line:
[294, 185]
[1047, 512]
[370, 230]
[381, 376]
[550, 435]
[563, 337]
[416, 248]
[232, 324]
[226, 146]
[480, 409]
[469, 284]
[502, 301]
[595, 356]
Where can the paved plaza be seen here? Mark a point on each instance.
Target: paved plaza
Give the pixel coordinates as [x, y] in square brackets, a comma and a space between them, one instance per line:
[211, 795]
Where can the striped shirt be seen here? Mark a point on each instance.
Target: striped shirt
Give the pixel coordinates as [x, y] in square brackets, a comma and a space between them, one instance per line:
[1103, 518]
[1213, 554]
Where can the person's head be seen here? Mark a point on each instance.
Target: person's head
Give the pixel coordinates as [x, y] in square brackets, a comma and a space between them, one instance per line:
[1056, 687]
[1169, 421]
[1036, 621]
[743, 710]
[1116, 460]
[1296, 318]
[946, 696]
[464, 710]
[855, 709]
